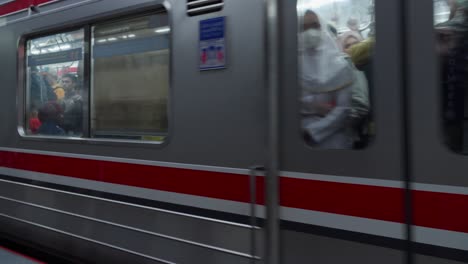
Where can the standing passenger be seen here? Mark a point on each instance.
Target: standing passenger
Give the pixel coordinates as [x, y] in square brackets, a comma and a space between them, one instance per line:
[349, 39]
[360, 104]
[40, 91]
[34, 122]
[52, 82]
[49, 115]
[353, 25]
[73, 106]
[326, 80]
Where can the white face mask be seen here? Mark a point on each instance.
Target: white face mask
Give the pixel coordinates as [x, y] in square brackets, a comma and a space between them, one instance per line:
[311, 38]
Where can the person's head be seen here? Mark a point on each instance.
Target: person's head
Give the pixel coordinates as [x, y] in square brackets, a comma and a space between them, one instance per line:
[50, 112]
[34, 113]
[349, 39]
[49, 78]
[311, 21]
[353, 24]
[311, 34]
[69, 82]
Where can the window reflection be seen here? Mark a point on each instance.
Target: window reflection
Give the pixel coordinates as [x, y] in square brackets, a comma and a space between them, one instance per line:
[335, 47]
[452, 50]
[131, 78]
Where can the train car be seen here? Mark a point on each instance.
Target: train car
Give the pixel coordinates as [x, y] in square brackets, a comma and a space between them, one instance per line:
[235, 131]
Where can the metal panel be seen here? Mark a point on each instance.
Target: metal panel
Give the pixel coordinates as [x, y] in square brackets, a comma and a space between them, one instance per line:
[105, 223]
[433, 161]
[318, 249]
[209, 232]
[236, 94]
[234, 137]
[432, 260]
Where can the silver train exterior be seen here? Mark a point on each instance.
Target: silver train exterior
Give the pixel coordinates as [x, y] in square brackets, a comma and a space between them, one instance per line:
[198, 197]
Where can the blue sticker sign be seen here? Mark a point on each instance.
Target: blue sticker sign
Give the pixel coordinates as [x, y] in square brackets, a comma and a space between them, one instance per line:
[212, 45]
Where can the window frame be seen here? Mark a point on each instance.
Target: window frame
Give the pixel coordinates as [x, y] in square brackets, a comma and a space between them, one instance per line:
[432, 161]
[92, 71]
[86, 26]
[385, 150]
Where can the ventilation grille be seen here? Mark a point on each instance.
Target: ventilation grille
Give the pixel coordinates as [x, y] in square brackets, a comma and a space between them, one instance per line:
[198, 7]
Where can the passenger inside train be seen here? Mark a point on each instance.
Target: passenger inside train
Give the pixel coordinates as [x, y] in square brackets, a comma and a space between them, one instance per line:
[67, 98]
[72, 104]
[53, 84]
[124, 96]
[349, 39]
[353, 25]
[34, 122]
[334, 74]
[50, 116]
[324, 78]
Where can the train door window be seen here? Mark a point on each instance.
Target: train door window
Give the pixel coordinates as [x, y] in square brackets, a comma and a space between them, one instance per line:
[54, 78]
[451, 29]
[130, 78]
[335, 53]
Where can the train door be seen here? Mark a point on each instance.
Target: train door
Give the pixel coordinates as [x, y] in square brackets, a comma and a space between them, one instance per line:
[437, 112]
[340, 164]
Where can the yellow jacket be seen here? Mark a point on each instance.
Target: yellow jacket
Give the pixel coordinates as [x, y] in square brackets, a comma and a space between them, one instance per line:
[361, 52]
[59, 91]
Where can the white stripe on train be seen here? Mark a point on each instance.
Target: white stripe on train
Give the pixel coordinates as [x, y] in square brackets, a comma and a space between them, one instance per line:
[457, 240]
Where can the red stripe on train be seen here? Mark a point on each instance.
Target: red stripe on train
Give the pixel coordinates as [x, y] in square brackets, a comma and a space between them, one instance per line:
[431, 209]
[382, 203]
[440, 210]
[195, 182]
[19, 5]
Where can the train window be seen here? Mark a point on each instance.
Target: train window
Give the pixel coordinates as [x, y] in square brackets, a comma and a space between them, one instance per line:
[117, 90]
[54, 81]
[335, 49]
[130, 78]
[451, 28]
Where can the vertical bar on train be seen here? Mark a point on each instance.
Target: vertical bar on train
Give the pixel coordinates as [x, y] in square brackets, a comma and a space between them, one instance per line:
[272, 191]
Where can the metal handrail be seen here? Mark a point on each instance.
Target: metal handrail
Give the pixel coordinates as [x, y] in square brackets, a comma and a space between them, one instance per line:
[133, 205]
[201, 2]
[185, 241]
[88, 239]
[253, 204]
[204, 8]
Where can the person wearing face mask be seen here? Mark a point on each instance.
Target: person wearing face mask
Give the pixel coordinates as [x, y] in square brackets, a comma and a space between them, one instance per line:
[326, 79]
